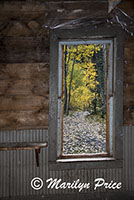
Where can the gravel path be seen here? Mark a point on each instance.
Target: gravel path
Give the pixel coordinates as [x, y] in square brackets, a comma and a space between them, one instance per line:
[82, 136]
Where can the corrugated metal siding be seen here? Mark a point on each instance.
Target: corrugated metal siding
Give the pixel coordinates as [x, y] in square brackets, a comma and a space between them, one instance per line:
[17, 168]
[4, 174]
[129, 158]
[86, 176]
[23, 136]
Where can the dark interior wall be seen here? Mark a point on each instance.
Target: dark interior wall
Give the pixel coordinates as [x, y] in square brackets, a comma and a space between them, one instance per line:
[24, 59]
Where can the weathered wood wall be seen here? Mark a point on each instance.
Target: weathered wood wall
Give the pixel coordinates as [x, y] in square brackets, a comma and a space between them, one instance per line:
[129, 82]
[24, 74]
[24, 95]
[24, 66]
[128, 8]
[24, 59]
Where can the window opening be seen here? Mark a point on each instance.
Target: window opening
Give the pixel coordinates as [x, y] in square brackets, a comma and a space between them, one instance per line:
[85, 98]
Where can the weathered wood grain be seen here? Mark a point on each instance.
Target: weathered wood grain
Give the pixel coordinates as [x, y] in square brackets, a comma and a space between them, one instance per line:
[64, 9]
[128, 78]
[16, 5]
[24, 87]
[23, 16]
[18, 103]
[129, 114]
[127, 7]
[74, 10]
[129, 53]
[21, 146]
[21, 10]
[23, 55]
[24, 82]
[128, 92]
[23, 119]
[128, 72]
[23, 50]
[30, 71]
[24, 95]
[24, 42]
[129, 66]
[128, 108]
[129, 40]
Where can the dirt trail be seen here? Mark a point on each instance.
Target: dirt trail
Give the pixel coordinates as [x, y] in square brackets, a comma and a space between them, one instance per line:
[82, 136]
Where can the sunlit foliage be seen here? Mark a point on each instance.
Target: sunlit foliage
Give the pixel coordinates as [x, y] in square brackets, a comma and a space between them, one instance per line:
[80, 77]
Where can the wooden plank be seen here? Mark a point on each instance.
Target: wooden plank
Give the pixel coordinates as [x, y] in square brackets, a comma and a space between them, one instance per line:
[92, 155]
[128, 77]
[22, 146]
[23, 56]
[78, 9]
[22, 10]
[129, 66]
[128, 102]
[18, 103]
[58, 9]
[128, 72]
[24, 50]
[129, 53]
[22, 6]
[127, 7]
[128, 92]
[129, 41]
[129, 115]
[24, 16]
[31, 71]
[10, 120]
[24, 42]
[24, 95]
[23, 87]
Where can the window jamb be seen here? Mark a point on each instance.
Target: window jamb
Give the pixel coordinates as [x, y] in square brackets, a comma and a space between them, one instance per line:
[102, 32]
[109, 134]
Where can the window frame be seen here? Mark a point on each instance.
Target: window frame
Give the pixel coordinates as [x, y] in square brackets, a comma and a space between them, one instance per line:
[90, 33]
[109, 68]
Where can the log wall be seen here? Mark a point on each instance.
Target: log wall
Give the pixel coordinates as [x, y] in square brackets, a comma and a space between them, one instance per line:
[24, 66]
[24, 59]
[129, 82]
[24, 95]
[24, 98]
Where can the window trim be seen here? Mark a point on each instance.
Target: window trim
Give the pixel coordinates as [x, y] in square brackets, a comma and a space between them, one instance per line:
[109, 132]
[89, 33]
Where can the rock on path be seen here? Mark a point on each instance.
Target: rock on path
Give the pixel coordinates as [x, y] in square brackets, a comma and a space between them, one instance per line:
[81, 136]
